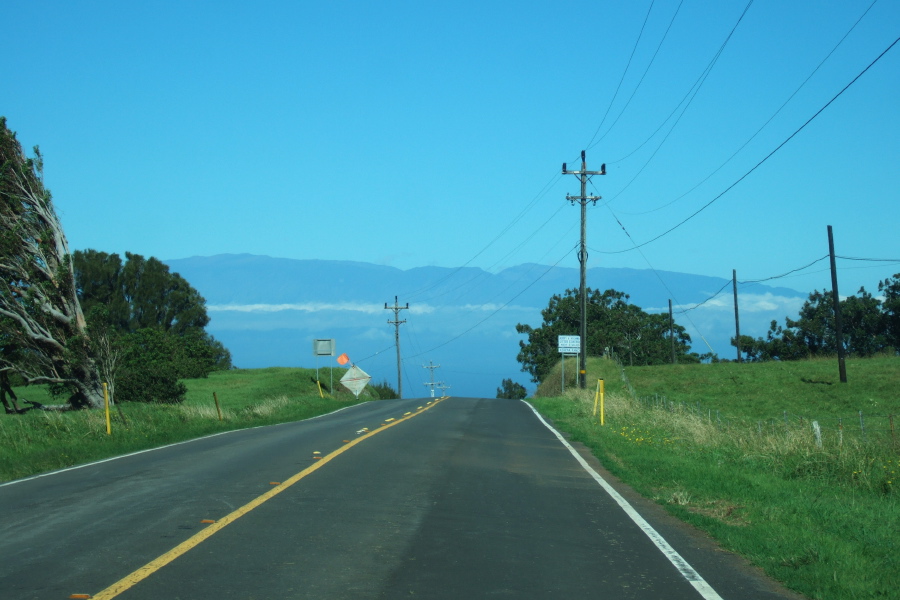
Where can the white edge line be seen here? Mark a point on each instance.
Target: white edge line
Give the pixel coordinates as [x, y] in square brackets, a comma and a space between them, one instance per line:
[686, 570]
[212, 435]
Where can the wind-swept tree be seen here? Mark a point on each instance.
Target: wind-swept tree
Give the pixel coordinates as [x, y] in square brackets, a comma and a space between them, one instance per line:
[39, 310]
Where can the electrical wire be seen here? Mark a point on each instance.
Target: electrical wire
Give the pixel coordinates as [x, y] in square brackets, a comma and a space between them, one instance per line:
[624, 73]
[630, 98]
[661, 280]
[714, 296]
[760, 163]
[540, 195]
[691, 93]
[749, 281]
[525, 289]
[890, 260]
[764, 125]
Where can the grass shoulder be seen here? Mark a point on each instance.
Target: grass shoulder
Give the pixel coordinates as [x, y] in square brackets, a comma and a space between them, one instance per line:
[41, 441]
[820, 519]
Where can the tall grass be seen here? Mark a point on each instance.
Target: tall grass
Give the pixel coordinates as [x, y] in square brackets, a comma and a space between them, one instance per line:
[821, 519]
[41, 441]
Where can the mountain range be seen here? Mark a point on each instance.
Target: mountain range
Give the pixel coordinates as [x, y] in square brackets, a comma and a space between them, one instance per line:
[268, 310]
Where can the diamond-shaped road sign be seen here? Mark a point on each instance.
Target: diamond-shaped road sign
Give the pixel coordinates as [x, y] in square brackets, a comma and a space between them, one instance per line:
[355, 380]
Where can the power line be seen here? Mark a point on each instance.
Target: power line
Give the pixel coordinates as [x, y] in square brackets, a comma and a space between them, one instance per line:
[625, 72]
[544, 191]
[784, 274]
[890, 260]
[649, 64]
[507, 303]
[764, 125]
[692, 92]
[767, 157]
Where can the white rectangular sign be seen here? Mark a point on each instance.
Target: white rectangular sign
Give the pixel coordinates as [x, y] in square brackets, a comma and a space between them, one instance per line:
[323, 347]
[569, 344]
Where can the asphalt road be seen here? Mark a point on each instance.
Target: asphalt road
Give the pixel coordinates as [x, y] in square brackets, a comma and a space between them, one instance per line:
[461, 498]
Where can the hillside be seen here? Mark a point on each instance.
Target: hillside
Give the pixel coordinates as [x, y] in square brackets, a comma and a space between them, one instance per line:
[267, 310]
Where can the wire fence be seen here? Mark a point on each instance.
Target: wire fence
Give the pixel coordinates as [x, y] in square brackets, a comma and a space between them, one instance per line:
[828, 431]
[825, 432]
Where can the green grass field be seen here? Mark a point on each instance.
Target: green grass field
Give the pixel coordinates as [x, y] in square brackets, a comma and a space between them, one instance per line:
[823, 520]
[40, 441]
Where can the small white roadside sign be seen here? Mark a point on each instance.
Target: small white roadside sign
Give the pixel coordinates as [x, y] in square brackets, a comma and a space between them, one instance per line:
[569, 344]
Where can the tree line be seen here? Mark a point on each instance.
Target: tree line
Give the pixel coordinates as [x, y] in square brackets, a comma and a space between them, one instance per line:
[869, 325]
[613, 326]
[76, 320]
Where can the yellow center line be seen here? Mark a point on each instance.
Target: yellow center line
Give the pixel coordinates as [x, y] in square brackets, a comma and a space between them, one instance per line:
[142, 573]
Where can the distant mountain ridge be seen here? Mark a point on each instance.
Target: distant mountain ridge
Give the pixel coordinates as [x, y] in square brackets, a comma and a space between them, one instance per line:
[267, 311]
[248, 279]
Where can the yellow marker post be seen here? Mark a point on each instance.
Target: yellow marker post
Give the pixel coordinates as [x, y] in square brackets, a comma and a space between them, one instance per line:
[106, 405]
[599, 396]
[602, 394]
[321, 395]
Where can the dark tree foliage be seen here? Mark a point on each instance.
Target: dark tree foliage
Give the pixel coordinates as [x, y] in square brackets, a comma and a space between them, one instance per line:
[511, 390]
[139, 294]
[890, 288]
[148, 325]
[384, 390]
[869, 326]
[613, 325]
[152, 365]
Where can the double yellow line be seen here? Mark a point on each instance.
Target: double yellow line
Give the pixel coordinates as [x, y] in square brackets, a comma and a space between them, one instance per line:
[139, 575]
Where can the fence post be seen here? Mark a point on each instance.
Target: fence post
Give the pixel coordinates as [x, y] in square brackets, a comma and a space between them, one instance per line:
[818, 433]
[218, 409]
[891, 419]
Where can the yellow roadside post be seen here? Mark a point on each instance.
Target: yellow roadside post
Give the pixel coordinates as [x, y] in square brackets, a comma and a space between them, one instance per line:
[599, 396]
[602, 398]
[106, 404]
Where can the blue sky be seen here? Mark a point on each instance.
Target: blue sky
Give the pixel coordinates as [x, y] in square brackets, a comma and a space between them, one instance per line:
[418, 133]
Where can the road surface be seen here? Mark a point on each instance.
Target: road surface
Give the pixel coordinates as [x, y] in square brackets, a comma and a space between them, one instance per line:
[458, 498]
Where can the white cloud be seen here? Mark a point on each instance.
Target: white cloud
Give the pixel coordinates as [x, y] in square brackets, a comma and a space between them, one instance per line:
[309, 307]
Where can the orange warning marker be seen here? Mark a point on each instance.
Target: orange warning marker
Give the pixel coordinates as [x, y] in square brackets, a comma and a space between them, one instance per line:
[274, 483]
[80, 596]
[207, 521]
[346, 441]
[343, 359]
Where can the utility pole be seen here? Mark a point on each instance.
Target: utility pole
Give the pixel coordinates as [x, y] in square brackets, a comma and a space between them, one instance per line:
[396, 323]
[443, 387]
[432, 366]
[838, 325]
[737, 320]
[672, 330]
[584, 175]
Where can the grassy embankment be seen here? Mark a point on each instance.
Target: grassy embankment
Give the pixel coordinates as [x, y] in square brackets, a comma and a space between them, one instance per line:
[41, 441]
[731, 449]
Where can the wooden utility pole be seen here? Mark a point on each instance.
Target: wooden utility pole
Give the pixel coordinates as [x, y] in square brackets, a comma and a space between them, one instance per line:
[433, 383]
[672, 330]
[396, 323]
[737, 319]
[584, 175]
[838, 325]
